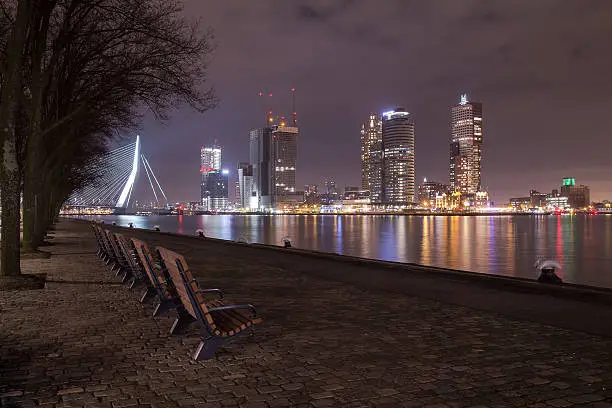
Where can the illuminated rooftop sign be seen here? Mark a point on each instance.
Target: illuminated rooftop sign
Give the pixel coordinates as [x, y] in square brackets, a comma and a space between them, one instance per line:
[569, 181]
[394, 114]
[463, 100]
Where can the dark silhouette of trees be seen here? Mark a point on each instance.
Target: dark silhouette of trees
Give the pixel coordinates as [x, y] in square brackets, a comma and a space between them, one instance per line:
[75, 73]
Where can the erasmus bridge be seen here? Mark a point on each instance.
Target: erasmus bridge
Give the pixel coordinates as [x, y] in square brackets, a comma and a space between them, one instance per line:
[121, 174]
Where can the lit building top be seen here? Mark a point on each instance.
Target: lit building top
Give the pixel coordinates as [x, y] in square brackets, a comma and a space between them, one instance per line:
[210, 159]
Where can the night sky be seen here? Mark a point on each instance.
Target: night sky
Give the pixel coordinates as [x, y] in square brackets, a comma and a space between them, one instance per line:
[542, 69]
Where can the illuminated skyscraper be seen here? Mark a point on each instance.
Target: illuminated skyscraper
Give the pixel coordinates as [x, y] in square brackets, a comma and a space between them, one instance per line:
[273, 155]
[213, 187]
[398, 158]
[210, 159]
[466, 147]
[371, 157]
[284, 151]
[247, 192]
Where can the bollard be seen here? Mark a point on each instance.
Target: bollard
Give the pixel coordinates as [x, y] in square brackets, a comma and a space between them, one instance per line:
[286, 241]
[131, 225]
[114, 223]
[156, 228]
[548, 275]
[200, 233]
[547, 270]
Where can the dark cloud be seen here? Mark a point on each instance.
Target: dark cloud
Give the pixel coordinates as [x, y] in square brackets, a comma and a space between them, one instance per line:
[541, 68]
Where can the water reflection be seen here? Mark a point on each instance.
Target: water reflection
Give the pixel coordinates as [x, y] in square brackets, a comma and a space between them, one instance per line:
[500, 245]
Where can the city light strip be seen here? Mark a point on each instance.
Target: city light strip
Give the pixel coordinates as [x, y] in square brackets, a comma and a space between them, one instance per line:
[132, 178]
[158, 185]
[149, 177]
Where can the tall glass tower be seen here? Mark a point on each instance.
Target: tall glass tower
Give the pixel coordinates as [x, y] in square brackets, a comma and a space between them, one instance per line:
[371, 157]
[398, 158]
[466, 147]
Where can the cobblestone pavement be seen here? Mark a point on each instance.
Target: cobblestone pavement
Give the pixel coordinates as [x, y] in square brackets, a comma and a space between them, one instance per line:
[87, 342]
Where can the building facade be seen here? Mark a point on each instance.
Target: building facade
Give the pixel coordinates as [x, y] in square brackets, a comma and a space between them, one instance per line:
[311, 194]
[398, 159]
[578, 197]
[371, 156]
[246, 187]
[273, 155]
[212, 195]
[428, 191]
[210, 158]
[216, 191]
[285, 159]
[466, 147]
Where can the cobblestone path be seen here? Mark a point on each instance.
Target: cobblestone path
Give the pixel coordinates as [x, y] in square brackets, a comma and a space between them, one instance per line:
[85, 341]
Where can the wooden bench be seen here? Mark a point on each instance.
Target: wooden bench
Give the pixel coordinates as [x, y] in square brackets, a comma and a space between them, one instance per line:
[119, 260]
[158, 282]
[134, 271]
[218, 322]
[104, 251]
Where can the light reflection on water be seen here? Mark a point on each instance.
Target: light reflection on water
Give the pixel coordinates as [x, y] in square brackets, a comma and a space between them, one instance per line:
[505, 245]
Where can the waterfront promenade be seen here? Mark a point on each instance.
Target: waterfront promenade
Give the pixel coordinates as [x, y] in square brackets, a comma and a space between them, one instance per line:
[334, 334]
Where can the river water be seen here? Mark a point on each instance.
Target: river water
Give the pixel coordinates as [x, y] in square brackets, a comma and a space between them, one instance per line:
[502, 245]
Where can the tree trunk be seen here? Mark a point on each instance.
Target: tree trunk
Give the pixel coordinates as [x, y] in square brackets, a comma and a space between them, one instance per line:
[11, 192]
[10, 177]
[30, 216]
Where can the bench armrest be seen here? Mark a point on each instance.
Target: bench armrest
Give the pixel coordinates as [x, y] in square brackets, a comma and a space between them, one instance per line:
[232, 307]
[218, 291]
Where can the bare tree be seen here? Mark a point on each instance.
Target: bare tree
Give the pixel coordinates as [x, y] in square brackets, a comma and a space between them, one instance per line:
[84, 69]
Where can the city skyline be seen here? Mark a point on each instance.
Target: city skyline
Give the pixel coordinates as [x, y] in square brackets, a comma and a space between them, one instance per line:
[530, 86]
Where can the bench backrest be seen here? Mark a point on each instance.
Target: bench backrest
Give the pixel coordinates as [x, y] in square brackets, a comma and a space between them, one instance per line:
[107, 243]
[146, 260]
[113, 244]
[177, 269]
[128, 254]
[100, 238]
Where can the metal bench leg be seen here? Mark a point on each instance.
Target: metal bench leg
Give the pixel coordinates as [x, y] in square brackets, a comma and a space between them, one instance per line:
[148, 294]
[118, 269]
[162, 308]
[207, 348]
[126, 276]
[181, 323]
[133, 283]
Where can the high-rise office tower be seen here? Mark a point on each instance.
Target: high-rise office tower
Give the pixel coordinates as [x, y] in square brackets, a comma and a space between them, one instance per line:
[284, 151]
[216, 190]
[246, 183]
[237, 199]
[213, 187]
[466, 147]
[398, 158]
[371, 157]
[273, 155]
[210, 159]
[260, 157]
